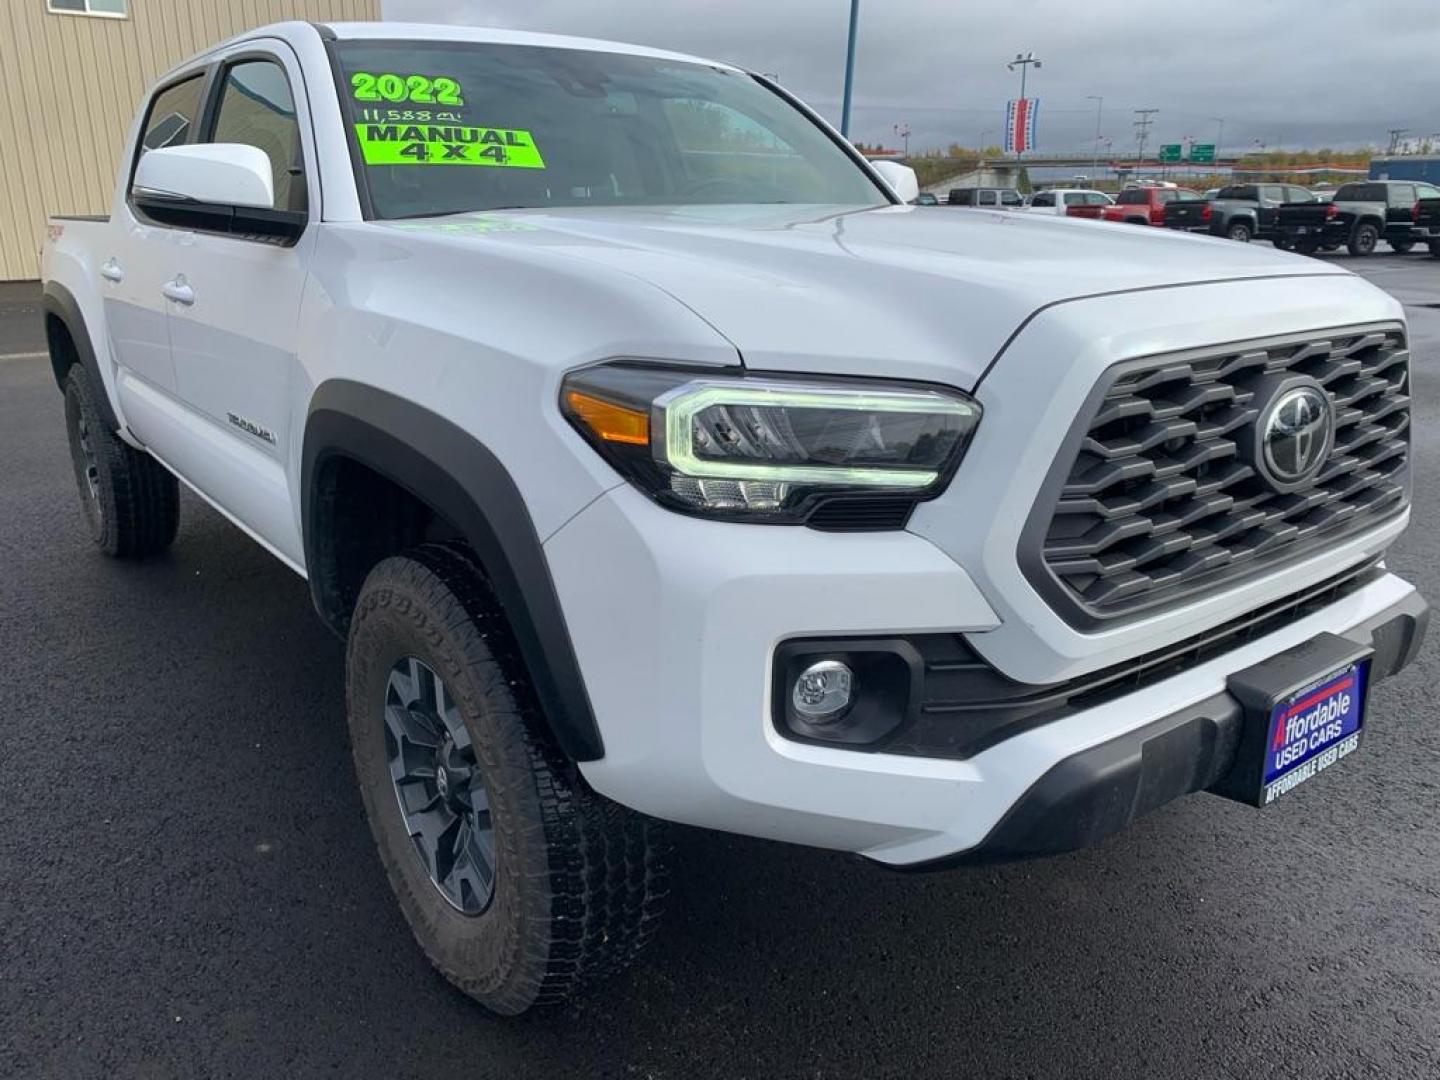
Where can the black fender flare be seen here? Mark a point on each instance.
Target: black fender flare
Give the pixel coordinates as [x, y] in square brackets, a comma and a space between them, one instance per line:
[460, 478]
[59, 303]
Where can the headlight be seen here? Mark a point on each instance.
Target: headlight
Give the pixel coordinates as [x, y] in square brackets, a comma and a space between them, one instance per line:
[833, 454]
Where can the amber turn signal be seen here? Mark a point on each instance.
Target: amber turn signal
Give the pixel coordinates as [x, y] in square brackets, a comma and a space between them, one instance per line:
[612, 423]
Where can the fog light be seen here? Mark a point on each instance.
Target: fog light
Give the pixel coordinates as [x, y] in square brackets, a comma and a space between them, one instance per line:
[822, 693]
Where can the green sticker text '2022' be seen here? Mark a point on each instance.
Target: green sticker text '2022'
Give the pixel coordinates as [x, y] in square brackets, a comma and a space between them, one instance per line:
[447, 144]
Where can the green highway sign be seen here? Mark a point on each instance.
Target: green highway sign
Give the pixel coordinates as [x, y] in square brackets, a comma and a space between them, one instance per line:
[1170, 152]
[1202, 152]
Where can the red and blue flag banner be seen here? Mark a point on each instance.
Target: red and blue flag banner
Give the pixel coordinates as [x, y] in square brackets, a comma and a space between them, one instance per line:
[1020, 125]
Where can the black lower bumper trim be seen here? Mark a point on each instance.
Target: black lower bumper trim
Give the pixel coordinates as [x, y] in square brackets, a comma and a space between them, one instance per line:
[1100, 791]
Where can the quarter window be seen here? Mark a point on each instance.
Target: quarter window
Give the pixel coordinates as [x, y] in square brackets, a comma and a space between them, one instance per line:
[257, 109]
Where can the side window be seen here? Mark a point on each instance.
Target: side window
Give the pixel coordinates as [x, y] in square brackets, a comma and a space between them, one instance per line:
[257, 108]
[172, 114]
[1402, 195]
[1044, 199]
[1425, 191]
[1011, 198]
[1096, 198]
[1272, 193]
[987, 198]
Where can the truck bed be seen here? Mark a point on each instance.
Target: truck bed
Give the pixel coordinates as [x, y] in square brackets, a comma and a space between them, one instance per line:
[1187, 214]
[1304, 213]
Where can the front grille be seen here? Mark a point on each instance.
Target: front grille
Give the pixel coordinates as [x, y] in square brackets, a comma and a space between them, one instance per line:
[1160, 500]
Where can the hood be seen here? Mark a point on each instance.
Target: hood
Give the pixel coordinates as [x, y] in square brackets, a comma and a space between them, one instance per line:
[911, 292]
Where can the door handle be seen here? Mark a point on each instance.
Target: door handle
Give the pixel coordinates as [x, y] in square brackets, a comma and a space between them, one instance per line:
[110, 270]
[179, 290]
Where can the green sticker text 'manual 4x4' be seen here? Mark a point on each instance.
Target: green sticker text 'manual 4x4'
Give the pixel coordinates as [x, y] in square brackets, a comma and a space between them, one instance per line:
[447, 144]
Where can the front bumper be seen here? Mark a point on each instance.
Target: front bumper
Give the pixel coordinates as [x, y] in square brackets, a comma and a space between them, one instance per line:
[1099, 791]
[676, 622]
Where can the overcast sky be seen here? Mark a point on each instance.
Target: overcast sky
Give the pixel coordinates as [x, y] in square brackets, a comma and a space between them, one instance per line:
[1292, 73]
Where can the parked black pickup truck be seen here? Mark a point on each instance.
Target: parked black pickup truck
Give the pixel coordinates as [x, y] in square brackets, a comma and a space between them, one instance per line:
[1360, 216]
[1425, 217]
[1242, 212]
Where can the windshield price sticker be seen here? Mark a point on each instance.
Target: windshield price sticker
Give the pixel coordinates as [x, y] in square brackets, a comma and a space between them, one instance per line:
[1314, 730]
[447, 144]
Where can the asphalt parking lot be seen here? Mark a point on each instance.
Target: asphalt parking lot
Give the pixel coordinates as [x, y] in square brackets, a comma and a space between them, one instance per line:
[190, 890]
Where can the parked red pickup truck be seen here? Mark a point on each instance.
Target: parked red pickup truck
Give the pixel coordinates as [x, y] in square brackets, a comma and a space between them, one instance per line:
[1139, 206]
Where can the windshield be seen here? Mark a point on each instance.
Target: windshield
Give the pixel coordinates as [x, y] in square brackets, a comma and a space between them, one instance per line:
[566, 127]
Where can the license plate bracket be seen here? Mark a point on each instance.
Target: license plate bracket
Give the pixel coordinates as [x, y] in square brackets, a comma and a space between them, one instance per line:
[1304, 710]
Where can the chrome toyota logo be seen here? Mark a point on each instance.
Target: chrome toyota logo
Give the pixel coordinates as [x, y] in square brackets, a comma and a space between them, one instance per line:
[1296, 438]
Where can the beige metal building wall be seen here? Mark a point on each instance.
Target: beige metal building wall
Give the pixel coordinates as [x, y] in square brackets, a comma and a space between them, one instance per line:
[69, 88]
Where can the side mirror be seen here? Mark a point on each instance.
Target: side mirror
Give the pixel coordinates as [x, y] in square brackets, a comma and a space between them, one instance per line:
[221, 174]
[901, 179]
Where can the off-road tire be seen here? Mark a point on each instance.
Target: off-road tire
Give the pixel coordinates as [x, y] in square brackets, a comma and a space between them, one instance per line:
[578, 880]
[130, 501]
[1363, 240]
[1239, 231]
[1401, 247]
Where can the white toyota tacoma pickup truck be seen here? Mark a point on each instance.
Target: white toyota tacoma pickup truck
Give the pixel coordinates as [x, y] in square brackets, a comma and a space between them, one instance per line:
[659, 463]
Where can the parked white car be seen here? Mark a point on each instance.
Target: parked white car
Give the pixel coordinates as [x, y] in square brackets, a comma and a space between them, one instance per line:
[656, 463]
[1057, 200]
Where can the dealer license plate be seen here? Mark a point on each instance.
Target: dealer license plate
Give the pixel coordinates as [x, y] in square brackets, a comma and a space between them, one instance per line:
[1313, 729]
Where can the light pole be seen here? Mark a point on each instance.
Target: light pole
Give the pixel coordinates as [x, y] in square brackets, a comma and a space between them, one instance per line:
[903, 130]
[1023, 62]
[1099, 105]
[1219, 135]
[849, 68]
[1142, 129]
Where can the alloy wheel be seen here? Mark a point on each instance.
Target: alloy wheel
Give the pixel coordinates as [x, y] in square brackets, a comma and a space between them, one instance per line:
[439, 787]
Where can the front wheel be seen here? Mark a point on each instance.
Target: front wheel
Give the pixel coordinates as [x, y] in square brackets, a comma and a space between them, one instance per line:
[130, 501]
[520, 884]
[1238, 231]
[1363, 239]
[1401, 247]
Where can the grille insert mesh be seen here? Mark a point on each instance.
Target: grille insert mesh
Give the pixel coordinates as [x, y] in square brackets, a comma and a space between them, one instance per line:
[1160, 497]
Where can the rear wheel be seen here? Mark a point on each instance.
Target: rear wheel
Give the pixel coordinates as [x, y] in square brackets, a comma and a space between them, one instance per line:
[1402, 247]
[1284, 243]
[1363, 239]
[1238, 231]
[520, 883]
[130, 501]
[1307, 247]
